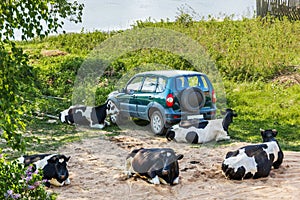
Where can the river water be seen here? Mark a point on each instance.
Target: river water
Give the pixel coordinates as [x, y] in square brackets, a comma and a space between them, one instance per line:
[108, 15]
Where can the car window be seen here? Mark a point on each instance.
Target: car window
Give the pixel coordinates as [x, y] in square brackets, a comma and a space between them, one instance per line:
[181, 83]
[161, 84]
[193, 81]
[204, 84]
[135, 84]
[149, 84]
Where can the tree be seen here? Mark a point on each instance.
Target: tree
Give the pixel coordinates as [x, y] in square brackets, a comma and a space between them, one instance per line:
[33, 18]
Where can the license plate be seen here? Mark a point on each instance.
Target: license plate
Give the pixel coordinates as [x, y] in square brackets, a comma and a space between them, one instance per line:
[195, 117]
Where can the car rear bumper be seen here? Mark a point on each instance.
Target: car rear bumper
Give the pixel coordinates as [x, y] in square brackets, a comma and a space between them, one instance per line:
[175, 117]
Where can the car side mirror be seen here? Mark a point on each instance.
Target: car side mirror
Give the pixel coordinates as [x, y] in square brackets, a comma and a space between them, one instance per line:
[129, 91]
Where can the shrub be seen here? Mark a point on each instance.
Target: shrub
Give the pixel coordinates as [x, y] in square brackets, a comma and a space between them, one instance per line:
[19, 182]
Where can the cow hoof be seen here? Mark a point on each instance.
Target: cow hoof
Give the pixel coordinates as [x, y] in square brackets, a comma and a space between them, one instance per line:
[155, 180]
[128, 174]
[67, 182]
[98, 126]
[176, 181]
[223, 138]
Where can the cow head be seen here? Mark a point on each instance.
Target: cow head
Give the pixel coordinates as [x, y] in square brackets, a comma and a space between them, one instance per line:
[268, 135]
[170, 168]
[58, 165]
[62, 115]
[162, 163]
[158, 164]
[111, 108]
[228, 118]
[170, 134]
[66, 116]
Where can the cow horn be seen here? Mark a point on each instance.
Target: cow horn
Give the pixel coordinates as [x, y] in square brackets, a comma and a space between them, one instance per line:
[261, 130]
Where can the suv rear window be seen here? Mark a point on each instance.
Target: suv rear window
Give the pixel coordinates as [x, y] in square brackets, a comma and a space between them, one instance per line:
[183, 82]
[203, 84]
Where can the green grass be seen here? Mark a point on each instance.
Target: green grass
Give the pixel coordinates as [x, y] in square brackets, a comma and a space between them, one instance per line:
[44, 136]
[266, 106]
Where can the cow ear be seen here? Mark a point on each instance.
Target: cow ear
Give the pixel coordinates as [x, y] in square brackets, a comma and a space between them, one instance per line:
[68, 158]
[232, 154]
[262, 131]
[223, 112]
[235, 114]
[274, 132]
[53, 159]
[179, 156]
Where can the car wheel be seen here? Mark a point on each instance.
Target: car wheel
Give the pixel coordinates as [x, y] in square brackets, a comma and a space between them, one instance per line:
[157, 123]
[192, 99]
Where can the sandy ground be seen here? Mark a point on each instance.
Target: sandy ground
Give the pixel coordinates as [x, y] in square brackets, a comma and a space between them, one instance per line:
[96, 172]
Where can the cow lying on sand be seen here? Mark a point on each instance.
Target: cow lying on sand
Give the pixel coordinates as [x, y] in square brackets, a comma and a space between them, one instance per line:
[202, 132]
[54, 167]
[94, 117]
[158, 165]
[254, 161]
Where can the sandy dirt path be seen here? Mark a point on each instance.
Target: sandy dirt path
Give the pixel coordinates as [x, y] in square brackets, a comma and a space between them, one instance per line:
[96, 172]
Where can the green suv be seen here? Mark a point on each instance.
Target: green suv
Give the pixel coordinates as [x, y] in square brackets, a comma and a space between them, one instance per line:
[165, 98]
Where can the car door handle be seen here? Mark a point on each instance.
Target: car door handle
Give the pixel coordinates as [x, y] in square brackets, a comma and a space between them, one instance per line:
[150, 97]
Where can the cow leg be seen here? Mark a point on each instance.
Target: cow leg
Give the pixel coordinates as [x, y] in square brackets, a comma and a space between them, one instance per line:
[222, 135]
[98, 126]
[154, 179]
[128, 168]
[54, 182]
[277, 163]
[162, 181]
[106, 123]
[47, 183]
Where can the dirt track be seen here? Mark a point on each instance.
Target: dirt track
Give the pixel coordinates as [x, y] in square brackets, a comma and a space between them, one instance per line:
[96, 172]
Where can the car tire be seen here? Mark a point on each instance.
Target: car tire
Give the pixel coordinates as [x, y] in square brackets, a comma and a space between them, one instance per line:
[191, 99]
[157, 123]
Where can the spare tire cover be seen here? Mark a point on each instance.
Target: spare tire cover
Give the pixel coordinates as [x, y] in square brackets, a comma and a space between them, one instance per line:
[191, 99]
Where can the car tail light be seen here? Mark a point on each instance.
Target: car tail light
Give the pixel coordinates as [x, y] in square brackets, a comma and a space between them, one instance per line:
[214, 97]
[170, 100]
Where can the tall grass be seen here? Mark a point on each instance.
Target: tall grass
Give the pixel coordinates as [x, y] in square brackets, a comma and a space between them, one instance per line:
[266, 106]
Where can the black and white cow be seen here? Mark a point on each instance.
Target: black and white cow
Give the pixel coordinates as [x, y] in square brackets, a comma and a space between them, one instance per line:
[94, 117]
[254, 161]
[158, 165]
[54, 167]
[202, 132]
